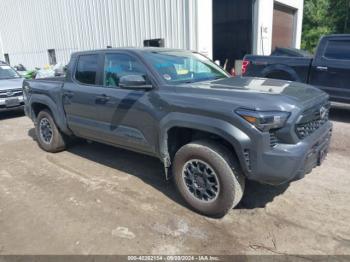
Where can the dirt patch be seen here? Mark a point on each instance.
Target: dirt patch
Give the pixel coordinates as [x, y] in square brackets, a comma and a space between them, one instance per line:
[95, 199]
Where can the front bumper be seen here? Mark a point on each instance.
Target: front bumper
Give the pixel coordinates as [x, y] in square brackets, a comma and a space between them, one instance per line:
[7, 105]
[284, 162]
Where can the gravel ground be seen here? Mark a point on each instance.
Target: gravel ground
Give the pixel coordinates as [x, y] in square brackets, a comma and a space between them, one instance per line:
[95, 199]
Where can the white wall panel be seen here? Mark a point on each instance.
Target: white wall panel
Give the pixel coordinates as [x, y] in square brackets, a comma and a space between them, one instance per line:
[29, 28]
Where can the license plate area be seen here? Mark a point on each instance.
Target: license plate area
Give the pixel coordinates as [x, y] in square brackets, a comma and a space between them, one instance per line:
[322, 154]
[11, 102]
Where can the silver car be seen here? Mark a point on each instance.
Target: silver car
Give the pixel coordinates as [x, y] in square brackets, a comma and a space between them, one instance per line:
[11, 95]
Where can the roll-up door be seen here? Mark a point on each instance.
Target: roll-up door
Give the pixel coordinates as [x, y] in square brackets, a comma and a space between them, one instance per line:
[283, 27]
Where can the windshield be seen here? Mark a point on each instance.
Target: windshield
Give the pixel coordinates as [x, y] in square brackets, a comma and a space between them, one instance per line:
[6, 72]
[184, 67]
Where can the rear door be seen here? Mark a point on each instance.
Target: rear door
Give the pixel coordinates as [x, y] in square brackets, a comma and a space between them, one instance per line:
[82, 94]
[331, 68]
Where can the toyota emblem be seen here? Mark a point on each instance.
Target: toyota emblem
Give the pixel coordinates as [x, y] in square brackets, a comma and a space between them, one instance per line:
[9, 93]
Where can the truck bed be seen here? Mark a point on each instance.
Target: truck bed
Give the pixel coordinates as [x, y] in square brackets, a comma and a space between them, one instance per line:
[48, 90]
[54, 79]
[280, 67]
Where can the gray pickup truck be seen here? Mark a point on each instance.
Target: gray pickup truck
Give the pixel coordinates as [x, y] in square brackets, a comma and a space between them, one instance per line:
[211, 131]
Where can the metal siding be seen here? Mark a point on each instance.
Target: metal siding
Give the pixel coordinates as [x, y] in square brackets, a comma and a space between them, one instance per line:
[28, 29]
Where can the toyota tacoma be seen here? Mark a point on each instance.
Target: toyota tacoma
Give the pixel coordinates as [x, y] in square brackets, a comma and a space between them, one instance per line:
[210, 131]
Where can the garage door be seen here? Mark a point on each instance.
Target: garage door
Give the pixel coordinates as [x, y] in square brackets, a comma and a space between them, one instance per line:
[283, 27]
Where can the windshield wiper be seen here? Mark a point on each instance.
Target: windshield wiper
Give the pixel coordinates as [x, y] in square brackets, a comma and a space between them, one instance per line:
[203, 79]
[219, 77]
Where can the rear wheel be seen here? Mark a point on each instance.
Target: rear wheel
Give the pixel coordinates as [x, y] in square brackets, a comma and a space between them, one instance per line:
[208, 177]
[49, 137]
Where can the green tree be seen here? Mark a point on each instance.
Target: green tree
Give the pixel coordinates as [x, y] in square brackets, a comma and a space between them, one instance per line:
[316, 23]
[322, 17]
[339, 11]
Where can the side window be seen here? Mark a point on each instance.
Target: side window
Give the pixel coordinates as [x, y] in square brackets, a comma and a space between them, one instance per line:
[86, 70]
[118, 65]
[338, 49]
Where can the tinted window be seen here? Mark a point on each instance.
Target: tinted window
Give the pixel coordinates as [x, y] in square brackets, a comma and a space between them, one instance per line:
[87, 69]
[338, 50]
[118, 65]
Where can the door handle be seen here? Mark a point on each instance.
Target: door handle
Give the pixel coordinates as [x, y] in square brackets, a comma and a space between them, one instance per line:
[322, 68]
[68, 94]
[102, 99]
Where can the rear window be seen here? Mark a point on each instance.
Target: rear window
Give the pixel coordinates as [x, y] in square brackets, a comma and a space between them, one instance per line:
[339, 50]
[86, 71]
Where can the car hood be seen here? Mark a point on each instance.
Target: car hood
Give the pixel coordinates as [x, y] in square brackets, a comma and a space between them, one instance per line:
[15, 83]
[259, 93]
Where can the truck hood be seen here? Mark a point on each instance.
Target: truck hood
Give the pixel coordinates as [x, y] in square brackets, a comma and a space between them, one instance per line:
[10, 84]
[260, 93]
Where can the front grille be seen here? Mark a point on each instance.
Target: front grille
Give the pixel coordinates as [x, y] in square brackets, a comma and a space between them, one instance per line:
[273, 139]
[8, 107]
[10, 93]
[312, 120]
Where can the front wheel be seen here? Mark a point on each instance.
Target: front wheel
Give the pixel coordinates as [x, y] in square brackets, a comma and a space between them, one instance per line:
[208, 177]
[49, 137]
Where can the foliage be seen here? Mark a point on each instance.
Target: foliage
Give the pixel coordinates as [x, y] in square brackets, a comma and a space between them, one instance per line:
[339, 14]
[323, 17]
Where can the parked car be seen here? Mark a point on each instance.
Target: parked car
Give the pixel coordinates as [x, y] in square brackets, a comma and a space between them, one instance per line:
[211, 130]
[11, 94]
[329, 70]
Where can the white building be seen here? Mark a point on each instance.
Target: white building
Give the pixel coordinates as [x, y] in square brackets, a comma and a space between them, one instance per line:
[35, 33]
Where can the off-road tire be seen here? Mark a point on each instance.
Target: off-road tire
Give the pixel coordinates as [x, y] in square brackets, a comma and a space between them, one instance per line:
[226, 167]
[58, 142]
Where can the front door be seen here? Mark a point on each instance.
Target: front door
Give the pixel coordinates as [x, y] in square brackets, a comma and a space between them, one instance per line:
[331, 70]
[127, 119]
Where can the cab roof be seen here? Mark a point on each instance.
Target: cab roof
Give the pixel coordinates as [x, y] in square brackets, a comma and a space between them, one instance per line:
[128, 49]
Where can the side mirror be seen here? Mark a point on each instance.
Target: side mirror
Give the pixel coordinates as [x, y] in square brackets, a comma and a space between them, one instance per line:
[133, 82]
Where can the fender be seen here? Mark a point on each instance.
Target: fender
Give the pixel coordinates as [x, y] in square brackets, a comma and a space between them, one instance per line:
[281, 68]
[238, 139]
[57, 111]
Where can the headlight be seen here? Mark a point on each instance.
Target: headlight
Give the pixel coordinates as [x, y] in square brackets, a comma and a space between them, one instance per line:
[264, 120]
